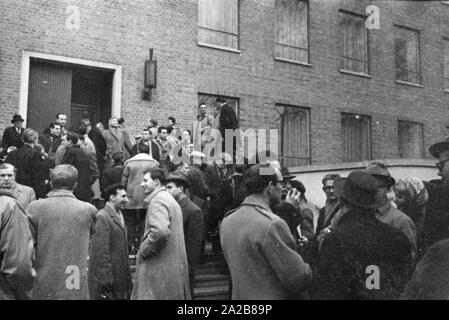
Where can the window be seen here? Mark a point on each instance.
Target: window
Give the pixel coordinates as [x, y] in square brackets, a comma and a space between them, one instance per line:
[210, 101]
[291, 30]
[446, 64]
[356, 137]
[407, 55]
[410, 139]
[354, 42]
[218, 23]
[294, 135]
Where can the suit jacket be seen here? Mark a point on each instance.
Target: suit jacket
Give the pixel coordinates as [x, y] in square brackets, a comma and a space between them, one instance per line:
[50, 143]
[30, 169]
[79, 159]
[109, 272]
[358, 242]
[12, 138]
[61, 226]
[16, 276]
[115, 142]
[260, 252]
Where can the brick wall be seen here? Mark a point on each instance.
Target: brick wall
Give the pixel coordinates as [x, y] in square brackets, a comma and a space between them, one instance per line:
[121, 32]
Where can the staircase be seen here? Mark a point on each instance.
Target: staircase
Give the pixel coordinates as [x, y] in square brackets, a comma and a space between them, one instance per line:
[212, 279]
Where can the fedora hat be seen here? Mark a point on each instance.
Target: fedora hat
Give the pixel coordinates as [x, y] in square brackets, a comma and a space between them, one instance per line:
[178, 177]
[379, 170]
[17, 117]
[361, 189]
[436, 148]
[286, 174]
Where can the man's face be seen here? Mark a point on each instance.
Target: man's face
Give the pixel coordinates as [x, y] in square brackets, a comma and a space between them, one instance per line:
[18, 124]
[203, 109]
[56, 131]
[174, 190]
[120, 199]
[145, 135]
[148, 184]
[163, 134]
[62, 120]
[7, 178]
[114, 123]
[170, 123]
[184, 169]
[287, 184]
[100, 127]
[186, 136]
[443, 165]
[328, 189]
[217, 110]
[88, 128]
[64, 141]
[275, 189]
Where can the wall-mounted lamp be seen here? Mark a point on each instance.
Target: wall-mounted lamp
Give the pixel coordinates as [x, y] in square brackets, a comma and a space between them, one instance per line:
[150, 79]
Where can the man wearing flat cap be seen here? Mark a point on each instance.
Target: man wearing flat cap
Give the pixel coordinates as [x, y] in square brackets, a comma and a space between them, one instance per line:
[193, 222]
[436, 223]
[387, 213]
[12, 136]
[363, 259]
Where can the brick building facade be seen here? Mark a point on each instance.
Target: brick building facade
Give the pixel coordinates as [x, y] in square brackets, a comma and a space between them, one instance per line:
[116, 35]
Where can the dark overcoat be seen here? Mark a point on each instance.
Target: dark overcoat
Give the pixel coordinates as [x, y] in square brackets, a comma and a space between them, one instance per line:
[109, 272]
[12, 138]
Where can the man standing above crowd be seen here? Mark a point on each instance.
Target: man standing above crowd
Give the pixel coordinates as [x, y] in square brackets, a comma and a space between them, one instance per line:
[162, 272]
[115, 141]
[109, 272]
[12, 136]
[23, 194]
[16, 251]
[61, 226]
[257, 244]
[201, 128]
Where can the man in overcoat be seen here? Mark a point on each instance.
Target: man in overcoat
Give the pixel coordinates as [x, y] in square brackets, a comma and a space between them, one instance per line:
[109, 272]
[258, 246]
[23, 194]
[162, 272]
[61, 226]
[12, 136]
[16, 250]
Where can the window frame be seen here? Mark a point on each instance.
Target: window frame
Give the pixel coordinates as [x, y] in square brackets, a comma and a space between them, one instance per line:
[418, 57]
[281, 118]
[370, 142]
[304, 63]
[421, 137]
[214, 46]
[366, 74]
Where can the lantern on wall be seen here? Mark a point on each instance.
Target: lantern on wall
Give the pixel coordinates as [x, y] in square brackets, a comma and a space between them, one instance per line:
[150, 76]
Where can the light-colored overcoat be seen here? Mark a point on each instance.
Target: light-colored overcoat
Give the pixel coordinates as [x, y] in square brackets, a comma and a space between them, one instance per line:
[162, 271]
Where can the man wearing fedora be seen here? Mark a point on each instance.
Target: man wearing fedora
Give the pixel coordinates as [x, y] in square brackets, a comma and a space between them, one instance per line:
[12, 136]
[436, 223]
[364, 258]
[193, 222]
[387, 213]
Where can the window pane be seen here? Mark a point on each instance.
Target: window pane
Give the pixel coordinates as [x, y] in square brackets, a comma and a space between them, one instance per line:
[354, 43]
[406, 50]
[218, 22]
[355, 137]
[410, 139]
[294, 136]
[291, 30]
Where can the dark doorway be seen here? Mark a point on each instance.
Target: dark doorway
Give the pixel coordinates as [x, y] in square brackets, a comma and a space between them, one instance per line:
[67, 88]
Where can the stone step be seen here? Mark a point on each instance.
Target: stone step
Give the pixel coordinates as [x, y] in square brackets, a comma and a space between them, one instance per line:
[213, 267]
[211, 280]
[212, 293]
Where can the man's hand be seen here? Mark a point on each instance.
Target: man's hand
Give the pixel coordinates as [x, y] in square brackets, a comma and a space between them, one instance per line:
[293, 197]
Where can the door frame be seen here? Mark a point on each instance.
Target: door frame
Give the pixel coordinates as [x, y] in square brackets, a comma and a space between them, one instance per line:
[25, 75]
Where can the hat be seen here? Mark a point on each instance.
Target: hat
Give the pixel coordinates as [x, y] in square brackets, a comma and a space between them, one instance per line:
[178, 177]
[286, 174]
[361, 189]
[17, 117]
[380, 171]
[436, 148]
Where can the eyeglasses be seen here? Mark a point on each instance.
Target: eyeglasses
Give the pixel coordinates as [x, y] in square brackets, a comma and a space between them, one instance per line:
[440, 164]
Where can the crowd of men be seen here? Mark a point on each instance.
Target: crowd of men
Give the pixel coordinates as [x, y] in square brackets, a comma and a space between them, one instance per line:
[75, 204]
